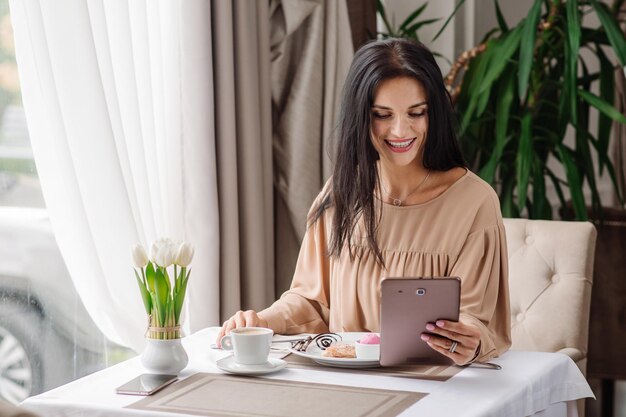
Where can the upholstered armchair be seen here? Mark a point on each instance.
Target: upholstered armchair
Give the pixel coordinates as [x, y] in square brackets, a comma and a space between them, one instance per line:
[550, 277]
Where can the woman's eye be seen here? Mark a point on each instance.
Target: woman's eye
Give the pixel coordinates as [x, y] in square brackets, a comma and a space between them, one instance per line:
[420, 114]
[381, 116]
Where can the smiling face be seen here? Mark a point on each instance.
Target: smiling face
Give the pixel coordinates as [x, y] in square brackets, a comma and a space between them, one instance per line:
[400, 121]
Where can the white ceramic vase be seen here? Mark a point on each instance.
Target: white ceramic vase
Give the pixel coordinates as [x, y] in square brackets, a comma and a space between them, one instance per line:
[164, 356]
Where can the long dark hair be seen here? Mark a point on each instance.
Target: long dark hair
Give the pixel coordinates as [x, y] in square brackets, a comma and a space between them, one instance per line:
[355, 173]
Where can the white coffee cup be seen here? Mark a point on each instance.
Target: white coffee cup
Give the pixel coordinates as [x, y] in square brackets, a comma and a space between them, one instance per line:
[251, 345]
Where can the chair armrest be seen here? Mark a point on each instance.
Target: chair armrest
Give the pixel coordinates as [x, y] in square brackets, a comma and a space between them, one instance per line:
[575, 354]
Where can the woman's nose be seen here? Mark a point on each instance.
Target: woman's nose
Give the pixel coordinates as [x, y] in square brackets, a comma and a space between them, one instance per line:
[398, 127]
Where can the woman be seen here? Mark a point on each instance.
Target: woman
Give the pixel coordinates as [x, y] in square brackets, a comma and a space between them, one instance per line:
[400, 203]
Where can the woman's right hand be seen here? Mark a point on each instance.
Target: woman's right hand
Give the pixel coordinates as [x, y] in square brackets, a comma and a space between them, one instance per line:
[248, 318]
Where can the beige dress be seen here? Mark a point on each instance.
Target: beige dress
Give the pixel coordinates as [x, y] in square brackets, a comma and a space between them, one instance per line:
[458, 233]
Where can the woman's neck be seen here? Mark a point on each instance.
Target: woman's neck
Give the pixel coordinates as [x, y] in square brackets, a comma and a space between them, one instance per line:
[399, 182]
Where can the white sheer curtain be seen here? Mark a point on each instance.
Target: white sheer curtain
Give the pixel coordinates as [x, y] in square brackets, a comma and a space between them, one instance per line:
[118, 98]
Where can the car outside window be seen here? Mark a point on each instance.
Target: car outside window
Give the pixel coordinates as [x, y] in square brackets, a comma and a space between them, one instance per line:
[46, 336]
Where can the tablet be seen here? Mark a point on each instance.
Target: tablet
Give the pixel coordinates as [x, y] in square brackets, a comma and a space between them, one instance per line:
[407, 305]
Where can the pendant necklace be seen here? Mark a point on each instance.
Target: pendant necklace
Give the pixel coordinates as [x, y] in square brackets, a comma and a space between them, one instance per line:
[399, 202]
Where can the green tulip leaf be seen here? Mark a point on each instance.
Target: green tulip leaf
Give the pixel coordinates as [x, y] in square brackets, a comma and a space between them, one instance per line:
[162, 293]
[179, 298]
[145, 294]
[150, 274]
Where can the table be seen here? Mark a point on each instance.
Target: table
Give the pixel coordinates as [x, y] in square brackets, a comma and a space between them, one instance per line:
[530, 383]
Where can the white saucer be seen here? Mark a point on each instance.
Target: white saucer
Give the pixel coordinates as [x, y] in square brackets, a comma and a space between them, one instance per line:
[228, 364]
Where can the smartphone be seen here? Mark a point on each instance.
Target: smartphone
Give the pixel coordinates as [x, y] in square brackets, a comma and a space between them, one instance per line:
[146, 384]
[407, 305]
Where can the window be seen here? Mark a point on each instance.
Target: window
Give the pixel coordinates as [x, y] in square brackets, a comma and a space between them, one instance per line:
[46, 335]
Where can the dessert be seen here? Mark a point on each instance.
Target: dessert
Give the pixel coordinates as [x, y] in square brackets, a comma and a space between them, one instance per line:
[340, 350]
[368, 347]
[370, 339]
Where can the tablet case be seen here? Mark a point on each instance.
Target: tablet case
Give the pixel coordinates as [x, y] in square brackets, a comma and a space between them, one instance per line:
[407, 305]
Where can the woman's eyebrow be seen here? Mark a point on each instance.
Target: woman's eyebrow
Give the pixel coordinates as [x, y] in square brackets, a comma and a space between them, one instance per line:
[378, 106]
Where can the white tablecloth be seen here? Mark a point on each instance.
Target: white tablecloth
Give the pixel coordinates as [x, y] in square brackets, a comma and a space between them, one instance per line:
[530, 383]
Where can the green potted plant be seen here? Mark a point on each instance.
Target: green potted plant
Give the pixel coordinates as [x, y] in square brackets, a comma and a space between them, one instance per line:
[521, 90]
[163, 296]
[408, 28]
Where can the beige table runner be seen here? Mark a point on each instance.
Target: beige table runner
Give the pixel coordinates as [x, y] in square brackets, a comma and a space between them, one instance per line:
[220, 395]
[428, 372]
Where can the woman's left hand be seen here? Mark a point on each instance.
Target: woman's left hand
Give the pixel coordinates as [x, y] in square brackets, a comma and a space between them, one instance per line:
[442, 335]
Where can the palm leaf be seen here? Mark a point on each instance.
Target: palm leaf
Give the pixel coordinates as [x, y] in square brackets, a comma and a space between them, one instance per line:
[501, 21]
[413, 29]
[492, 63]
[604, 159]
[445, 24]
[557, 186]
[506, 92]
[604, 107]
[412, 17]
[613, 32]
[503, 51]
[380, 8]
[524, 159]
[574, 181]
[541, 208]
[509, 209]
[527, 46]
[571, 56]
[607, 86]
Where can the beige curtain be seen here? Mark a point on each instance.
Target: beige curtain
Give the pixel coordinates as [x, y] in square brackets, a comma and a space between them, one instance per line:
[278, 72]
[311, 50]
[240, 37]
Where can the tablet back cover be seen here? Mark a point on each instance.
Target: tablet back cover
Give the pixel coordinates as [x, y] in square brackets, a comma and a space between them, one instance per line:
[407, 305]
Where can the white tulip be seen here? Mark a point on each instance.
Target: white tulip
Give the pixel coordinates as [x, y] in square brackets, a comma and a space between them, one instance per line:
[163, 252]
[154, 249]
[140, 258]
[184, 254]
[170, 253]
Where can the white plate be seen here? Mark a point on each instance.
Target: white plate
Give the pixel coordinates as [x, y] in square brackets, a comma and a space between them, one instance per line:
[228, 364]
[314, 353]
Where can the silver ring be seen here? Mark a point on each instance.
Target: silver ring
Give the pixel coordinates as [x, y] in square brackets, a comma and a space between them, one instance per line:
[453, 346]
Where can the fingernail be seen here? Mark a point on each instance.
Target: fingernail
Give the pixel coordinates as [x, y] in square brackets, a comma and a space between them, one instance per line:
[425, 337]
[440, 323]
[430, 327]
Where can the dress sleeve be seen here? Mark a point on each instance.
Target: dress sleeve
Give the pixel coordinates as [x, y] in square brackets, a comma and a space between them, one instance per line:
[482, 265]
[304, 308]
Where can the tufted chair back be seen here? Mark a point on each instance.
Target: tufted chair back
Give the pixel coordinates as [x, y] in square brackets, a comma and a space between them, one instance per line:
[550, 277]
